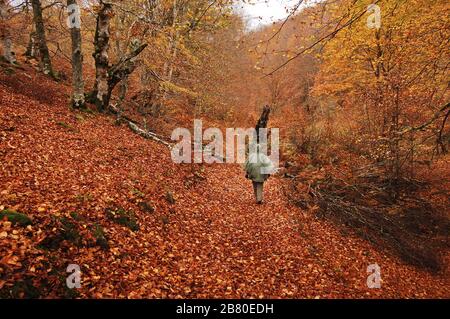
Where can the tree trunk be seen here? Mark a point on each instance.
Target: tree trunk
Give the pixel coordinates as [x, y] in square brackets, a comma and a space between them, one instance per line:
[100, 95]
[172, 50]
[31, 53]
[122, 69]
[5, 34]
[77, 60]
[108, 77]
[262, 122]
[41, 38]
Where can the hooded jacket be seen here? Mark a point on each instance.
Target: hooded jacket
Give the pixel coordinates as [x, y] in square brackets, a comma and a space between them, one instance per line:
[258, 166]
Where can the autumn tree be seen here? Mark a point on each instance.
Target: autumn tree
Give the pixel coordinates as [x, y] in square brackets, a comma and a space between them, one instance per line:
[180, 33]
[77, 54]
[387, 81]
[44, 54]
[108, 76]
[5, 33]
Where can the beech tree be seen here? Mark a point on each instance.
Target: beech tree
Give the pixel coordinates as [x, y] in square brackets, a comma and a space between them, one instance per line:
[44, 54]
[108, 76]
[77, 54]
[5, 33]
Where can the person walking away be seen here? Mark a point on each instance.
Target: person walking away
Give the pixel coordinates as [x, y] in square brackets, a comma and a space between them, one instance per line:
[257, 168]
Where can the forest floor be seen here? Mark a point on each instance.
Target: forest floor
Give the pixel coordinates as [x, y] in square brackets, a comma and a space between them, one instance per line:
[200, 234]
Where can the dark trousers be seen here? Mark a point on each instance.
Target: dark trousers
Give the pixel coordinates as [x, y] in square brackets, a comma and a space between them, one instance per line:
[258, 189]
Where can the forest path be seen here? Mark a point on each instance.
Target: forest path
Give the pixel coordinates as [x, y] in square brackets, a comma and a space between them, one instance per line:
[230, 247]
[245, 249]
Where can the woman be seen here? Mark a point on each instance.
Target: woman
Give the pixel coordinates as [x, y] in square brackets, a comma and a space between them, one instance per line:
[258, 168]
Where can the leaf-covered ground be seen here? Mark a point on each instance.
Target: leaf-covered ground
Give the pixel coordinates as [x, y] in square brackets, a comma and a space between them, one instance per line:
[200, 234]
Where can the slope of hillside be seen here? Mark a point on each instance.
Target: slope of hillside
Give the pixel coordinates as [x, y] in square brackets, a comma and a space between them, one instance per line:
[140, 226]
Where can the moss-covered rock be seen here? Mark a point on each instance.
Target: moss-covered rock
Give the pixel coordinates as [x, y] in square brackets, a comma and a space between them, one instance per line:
[137, 193]
[21, 289]
[170, 198]
[70, 231]
[66, 126]
[165, 219]
[122, 217]
[147, 207]
[79, 117]
[99, 235]
[15, 217]
[75, 216]
[66, 230]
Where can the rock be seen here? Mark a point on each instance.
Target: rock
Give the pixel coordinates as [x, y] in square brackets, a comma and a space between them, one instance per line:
[147, 207]
[15, 217]
[99, 234]
[123, 217]
[170, 198]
